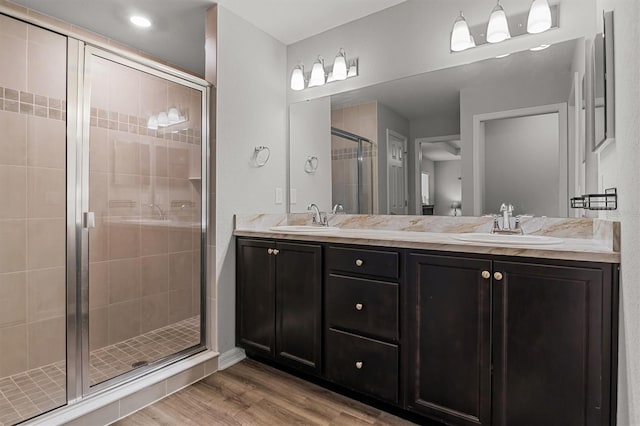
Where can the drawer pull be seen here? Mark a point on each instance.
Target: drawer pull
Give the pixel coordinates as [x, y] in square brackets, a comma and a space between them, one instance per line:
[359, 262]
[359, 365]
[497, 276]
[270, 251]
[359, 306]
[486, 275]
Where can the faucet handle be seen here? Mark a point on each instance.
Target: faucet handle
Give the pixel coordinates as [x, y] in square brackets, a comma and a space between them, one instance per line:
[338, 208]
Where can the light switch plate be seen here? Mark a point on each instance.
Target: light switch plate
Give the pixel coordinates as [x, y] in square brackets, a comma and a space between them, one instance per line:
[279, 196]
[294, 195]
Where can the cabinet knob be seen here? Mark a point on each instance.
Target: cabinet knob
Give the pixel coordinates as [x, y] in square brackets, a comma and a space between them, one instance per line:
[497, 276]
[276, 251]
[359, 262]
[359, 306]
[270, 251]
[359, 365]
[486, 275]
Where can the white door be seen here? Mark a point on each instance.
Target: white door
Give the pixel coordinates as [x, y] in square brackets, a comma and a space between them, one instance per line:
[397, 196]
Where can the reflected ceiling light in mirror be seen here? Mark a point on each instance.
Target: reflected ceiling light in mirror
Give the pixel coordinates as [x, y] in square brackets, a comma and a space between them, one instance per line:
[339, 71]
[498, 27]
[140, 21]
[163, 119]
[461, 38]
[539, 48]
[152, 123]
[318, 77]
[539, 17]
[166, 119]
[353, 71]
[297, 78]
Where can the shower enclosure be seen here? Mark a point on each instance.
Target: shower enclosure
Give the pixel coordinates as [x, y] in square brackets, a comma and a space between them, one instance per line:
[103, 220]
[351, 172]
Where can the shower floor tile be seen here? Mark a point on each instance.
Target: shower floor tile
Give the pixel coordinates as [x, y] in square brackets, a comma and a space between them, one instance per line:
[30, 393]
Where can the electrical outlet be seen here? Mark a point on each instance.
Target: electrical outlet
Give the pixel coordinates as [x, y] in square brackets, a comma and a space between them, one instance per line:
[279, 196]
[294, 195]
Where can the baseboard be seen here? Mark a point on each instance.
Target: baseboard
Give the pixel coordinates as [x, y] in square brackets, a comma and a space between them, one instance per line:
[230, 357]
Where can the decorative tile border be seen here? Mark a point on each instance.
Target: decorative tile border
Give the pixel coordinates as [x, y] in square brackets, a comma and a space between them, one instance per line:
[27, 103]
[114, 120]
[349, 153]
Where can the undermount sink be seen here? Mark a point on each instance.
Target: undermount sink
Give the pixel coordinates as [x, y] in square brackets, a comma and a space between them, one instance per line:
[507, 239]
[304, 228]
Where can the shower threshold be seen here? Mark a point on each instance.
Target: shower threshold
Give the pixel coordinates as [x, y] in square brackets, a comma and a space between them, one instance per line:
[34, 392]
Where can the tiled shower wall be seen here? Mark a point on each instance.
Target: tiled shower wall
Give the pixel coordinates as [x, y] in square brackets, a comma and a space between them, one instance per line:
[32, 196]
[362, 121]
[144, 274]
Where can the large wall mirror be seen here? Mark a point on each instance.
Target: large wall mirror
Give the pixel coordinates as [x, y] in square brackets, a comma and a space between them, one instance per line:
[455, 141]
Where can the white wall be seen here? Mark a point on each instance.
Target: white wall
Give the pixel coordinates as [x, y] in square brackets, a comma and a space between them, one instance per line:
[310, 135]
[413, 37]
[387, 119]
[627, 63]
[427, 166]
[251, 110]
[522, 164]
[448, 186]
[515, 93]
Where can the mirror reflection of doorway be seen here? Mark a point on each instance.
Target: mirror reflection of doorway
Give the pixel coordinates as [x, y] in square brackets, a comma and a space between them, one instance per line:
[397, 195]
[439, 158]
[351, 172]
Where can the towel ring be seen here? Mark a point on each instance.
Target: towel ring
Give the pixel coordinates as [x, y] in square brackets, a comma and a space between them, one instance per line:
[311, 165]
[261, 155]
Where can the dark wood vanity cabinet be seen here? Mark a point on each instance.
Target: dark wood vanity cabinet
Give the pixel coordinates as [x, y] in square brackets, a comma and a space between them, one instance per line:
[279, 295]
[509, 343]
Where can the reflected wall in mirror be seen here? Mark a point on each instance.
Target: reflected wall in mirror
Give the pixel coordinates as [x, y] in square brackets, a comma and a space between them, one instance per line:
[456, 141]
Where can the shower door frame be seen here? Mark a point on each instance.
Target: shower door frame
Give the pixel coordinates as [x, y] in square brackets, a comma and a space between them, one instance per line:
[79, 80]
[360, 159]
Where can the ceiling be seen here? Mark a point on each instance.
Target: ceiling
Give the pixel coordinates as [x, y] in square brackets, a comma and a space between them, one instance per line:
[177, 34]
[437, 93]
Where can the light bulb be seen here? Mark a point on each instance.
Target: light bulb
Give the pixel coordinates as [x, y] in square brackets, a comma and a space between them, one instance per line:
[317, 73]
[140, 21]
[498, 28]
[539, 17]
[340, 66]
[460, 35]
[297, 78]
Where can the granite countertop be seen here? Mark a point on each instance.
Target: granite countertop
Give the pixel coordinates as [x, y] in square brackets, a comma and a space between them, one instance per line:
[598, 248]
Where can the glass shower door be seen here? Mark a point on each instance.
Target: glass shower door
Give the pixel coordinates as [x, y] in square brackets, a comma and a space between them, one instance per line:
[145, 220]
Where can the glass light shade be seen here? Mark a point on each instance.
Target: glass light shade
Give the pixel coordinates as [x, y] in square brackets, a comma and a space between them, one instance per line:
[163, 119]
[152, 123]
[498, 28]
[460, 35]
[353, 71]
[173, 116]
[340, 66]
[539, 17]
[297, 78]
[317, 74]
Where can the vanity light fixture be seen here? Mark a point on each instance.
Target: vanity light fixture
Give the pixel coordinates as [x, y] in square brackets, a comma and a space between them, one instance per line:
[498, 27]
[339, 71]
[165, 119]
[297, 78]
[140, 21]
[539, 17]
[461, 38]
[318, 77]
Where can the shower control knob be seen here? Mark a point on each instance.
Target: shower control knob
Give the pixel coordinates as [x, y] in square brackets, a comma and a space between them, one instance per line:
[359, 262]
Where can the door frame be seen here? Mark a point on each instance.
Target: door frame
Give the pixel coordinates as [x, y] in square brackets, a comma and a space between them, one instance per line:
[404, 139]
[479, 121]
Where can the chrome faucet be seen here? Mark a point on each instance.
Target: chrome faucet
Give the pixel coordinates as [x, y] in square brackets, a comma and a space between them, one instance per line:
[163, 215]
[507, 212]
[338, 209]
[318, 217]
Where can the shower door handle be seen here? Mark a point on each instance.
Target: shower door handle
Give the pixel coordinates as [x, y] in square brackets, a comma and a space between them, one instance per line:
[88, 220]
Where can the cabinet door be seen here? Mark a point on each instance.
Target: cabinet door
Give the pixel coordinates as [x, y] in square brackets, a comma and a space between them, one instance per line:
[548, 345]
[448, 305]
[298, 305]
[255, 296]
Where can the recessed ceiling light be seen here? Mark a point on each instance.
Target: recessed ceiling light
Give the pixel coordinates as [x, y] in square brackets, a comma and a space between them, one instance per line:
[503, 56]
[140, 21]
[539, 48]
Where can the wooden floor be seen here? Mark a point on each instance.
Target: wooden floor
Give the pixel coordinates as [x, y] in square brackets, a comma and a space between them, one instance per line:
[250, 393]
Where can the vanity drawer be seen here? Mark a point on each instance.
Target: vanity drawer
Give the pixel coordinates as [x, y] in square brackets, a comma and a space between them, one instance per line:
[383, 264]
[361, 305]
[362, 364]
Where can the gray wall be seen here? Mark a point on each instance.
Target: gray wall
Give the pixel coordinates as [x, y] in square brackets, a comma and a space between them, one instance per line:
[387, 119]
[448, 187]
[519, 91]
[522, 165]
[251, 111]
